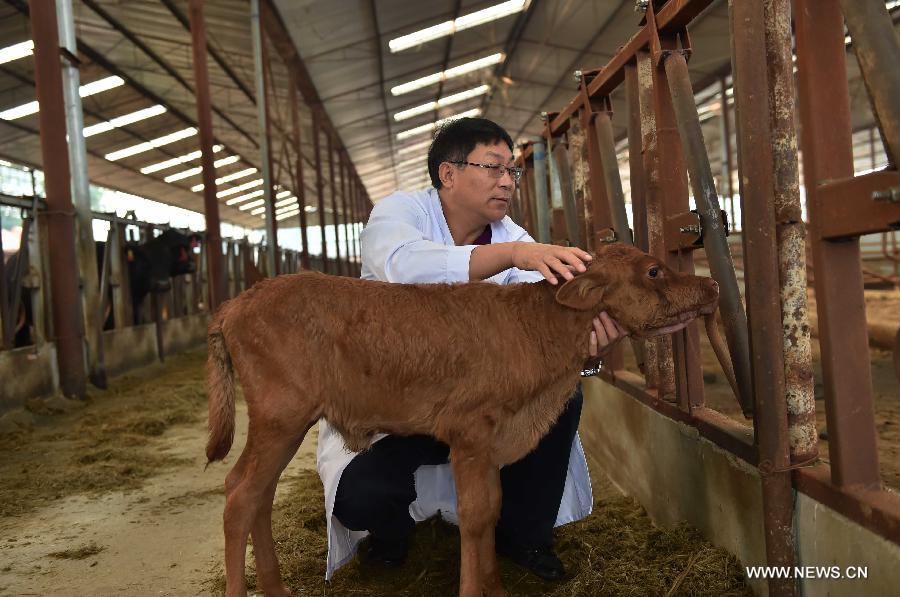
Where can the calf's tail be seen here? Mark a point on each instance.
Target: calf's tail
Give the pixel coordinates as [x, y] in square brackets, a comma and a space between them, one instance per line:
[220, 387]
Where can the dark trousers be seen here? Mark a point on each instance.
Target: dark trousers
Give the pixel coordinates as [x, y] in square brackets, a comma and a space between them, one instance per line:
[378, 485]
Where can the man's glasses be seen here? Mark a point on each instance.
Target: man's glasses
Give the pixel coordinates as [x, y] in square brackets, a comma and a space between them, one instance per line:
[496, 170]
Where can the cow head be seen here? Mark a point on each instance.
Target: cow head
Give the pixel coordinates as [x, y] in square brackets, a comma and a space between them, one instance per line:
[168, 255]
[639, 291]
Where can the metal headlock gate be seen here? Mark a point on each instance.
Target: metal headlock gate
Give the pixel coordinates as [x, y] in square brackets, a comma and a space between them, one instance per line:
[770, 344]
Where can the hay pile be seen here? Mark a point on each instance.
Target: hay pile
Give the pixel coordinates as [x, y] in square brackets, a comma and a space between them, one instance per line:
[102, 446]
[616, 551]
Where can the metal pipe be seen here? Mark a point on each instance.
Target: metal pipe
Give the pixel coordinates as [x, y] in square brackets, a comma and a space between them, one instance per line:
[567, 193]
[727, 163]
[298, 172]
[81, 196]
[6, 312]
[611, 179]
[757, 169]
[877, 50]
[541, 199]
[790, 237]
[262, 111]
[635, 163]
[217, 291]
[60, 211]
[714, 240]
[320, 186]
[581, 188]
[826, 142]
[345, 227]
[334, 212]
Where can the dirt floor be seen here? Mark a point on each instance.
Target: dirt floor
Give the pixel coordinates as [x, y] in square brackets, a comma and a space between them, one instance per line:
[111, 497]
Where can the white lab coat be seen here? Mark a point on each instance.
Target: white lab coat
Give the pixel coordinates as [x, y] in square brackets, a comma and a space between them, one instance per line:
[407, 240]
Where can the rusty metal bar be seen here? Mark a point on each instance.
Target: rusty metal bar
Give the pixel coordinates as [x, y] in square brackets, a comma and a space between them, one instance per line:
[858, 205]
[320, 184]
[660, 365]
[60, 211]
[757, 169]
[877, 50]
[581, 175]
[826, 142]
[606, 147]
[713, 231]
[673, 16]
[217, 283]
[790, 237]
[334, 211]
[561, 158]
[635, 164]
[6, 312]
[673, 193]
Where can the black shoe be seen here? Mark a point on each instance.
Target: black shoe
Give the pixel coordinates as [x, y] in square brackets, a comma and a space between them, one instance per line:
[541, 560]
[384, 551]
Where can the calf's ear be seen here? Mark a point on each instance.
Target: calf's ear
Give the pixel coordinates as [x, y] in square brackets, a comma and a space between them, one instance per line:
[582, 292]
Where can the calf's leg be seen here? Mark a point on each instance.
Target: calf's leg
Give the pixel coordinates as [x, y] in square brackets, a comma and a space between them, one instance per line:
[250, 489]
[477, 517]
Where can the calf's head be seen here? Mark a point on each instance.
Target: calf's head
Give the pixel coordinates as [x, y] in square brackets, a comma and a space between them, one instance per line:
[641, 293]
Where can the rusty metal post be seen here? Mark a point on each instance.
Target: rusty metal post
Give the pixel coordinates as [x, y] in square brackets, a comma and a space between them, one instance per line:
[614, 194]
[877, 49]
[567, 193]
[215, 264]
[60, 213]
[727, 165]
[262, 111]
[320, 184]
[790, 237]
[635, 163]
[826, 142]
[339, 269]
[757, 169]
[581, 175]
[81, 196]
[659, 352]
[714, 234]
[673, 194]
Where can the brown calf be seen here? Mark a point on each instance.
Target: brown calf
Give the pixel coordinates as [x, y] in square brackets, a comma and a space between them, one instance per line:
[376, 357]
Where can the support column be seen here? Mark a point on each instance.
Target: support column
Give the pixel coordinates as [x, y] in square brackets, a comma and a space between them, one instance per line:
[541, 199]
[299, 189]
[60, 211]
[320, 184]
[757, 168]
[215, 263]
[86, 250]
[329, 143]
[262, 110]
[727, 164]
[343, 163]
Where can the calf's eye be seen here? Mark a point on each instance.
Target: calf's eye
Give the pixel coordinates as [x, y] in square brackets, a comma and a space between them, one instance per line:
[653, 272]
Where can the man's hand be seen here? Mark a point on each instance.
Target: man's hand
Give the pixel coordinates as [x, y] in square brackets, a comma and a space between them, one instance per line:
[550, 260]
[606, 334]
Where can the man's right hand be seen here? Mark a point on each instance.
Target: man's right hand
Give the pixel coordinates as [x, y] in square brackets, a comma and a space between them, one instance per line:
[550, 260]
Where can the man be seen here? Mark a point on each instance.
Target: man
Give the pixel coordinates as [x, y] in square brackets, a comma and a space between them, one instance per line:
[458, 231]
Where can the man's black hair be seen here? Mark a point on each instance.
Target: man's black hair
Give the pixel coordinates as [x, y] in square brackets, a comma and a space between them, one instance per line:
[456, 139]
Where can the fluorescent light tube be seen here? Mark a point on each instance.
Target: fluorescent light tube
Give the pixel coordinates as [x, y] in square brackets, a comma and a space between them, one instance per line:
[456, 71]
[480, 17]
[102, 127]
[235, 200]
[152, 144]
[228, 177]
[239, 188]
[445, 101]
[84, 91]
[427, 128]
[16, 51]
[176, 161]
[251, 205]
[198, 169]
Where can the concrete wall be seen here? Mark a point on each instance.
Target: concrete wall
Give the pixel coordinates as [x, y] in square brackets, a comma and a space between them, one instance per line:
[25, 373]
[679, 476]
[31, 372]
